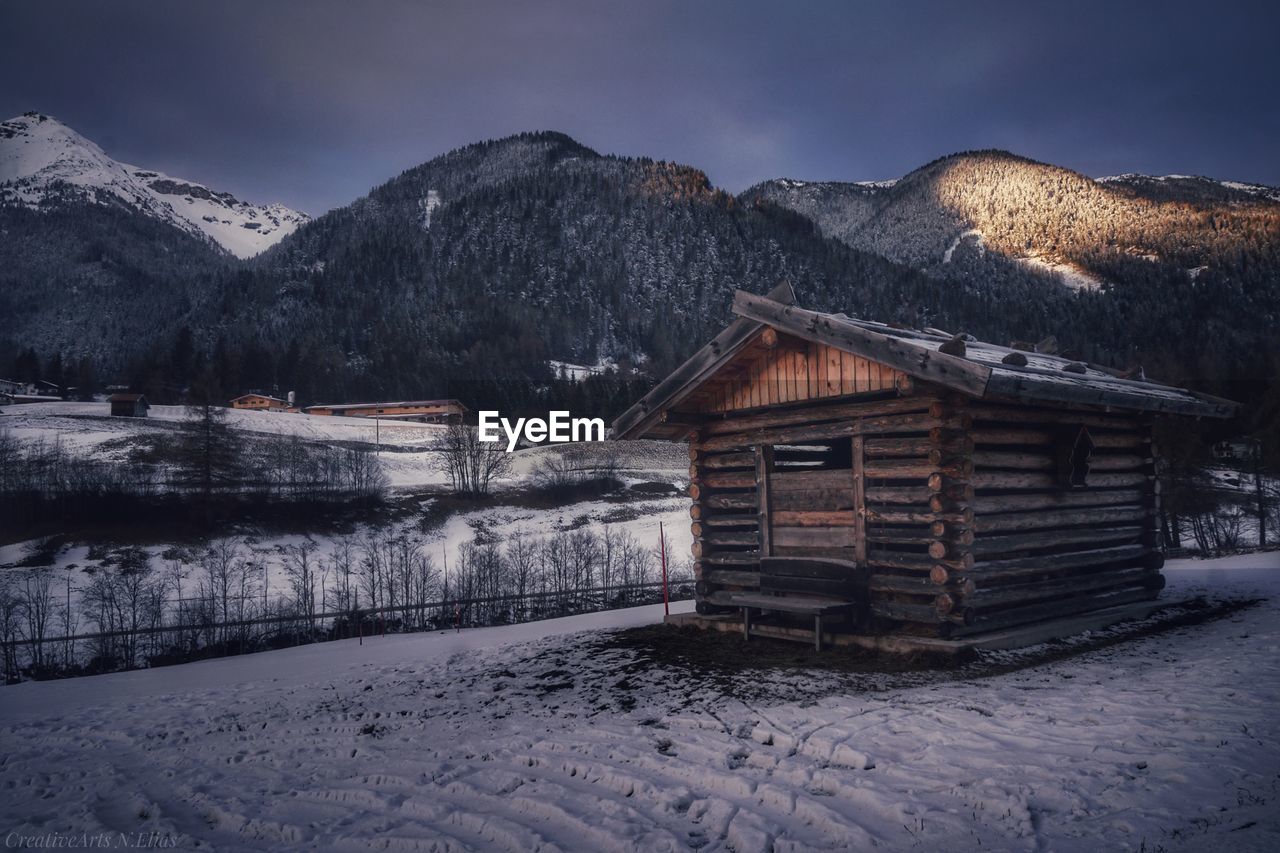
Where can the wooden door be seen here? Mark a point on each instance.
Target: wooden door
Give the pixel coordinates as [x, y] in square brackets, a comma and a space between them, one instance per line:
[811, 500]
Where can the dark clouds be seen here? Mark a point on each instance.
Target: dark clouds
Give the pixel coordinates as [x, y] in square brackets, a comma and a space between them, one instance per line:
[312, 103]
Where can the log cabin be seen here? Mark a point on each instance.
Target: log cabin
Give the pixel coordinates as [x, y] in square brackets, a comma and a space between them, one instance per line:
[854, 478]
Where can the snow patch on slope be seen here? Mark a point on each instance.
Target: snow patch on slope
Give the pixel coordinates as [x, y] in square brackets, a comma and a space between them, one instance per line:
[955, 244]
[40, 158]
[579, 372]
[427, 206]
[1070, 274]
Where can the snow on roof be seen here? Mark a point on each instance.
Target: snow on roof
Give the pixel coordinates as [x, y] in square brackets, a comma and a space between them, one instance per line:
[398, 404]
[255, 394]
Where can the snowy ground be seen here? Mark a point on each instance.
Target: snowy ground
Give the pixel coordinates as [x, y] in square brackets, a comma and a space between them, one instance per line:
[406, 458]
[89, 425]
[528, 737]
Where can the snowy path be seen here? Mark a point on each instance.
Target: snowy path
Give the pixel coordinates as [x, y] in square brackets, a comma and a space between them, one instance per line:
[525, 741]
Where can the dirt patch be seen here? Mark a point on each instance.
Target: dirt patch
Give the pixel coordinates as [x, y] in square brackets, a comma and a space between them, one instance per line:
[655, 488]
[720, 652]
[766, 669]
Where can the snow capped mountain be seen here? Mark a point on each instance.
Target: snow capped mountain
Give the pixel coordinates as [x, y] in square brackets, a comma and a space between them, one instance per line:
[42, 159]
[1195, 187]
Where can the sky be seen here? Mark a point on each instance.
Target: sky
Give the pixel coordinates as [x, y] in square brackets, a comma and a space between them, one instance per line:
[314, 102]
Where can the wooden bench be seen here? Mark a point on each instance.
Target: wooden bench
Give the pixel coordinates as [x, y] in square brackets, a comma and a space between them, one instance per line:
[806, 585]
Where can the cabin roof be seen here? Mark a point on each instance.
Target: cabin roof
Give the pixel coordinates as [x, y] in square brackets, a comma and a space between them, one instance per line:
[337, 407]
[262, 396]
[126, 398]
[980, 372]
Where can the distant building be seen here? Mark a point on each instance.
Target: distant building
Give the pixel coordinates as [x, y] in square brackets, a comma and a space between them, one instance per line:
[424, 411]
[52, 389]
[260, 402]
[18, 399]
[129, 405]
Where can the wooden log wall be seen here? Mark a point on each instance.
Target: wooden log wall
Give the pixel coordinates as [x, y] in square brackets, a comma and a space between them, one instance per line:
[810, 504]
[964, 526]
[919, 522]
[1019, 547]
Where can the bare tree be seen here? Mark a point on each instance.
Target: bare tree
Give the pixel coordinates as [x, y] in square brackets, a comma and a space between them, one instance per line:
[342, 565]
[635, 564]
[373, 571]
[472, 464]
[302, 568]
[226, 583]
[123, 600]
[10, 621]
[521, 557]
[37, 601]
[70, 623]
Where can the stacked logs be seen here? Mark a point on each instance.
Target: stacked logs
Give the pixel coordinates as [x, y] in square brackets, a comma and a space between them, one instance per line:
[962, 520]
[919, 523]
[809, 497]
[725, 521]
[1040, 550]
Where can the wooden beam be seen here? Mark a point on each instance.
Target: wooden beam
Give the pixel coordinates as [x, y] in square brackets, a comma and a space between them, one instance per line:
[684, 379]
[859, 501]
[764, 474]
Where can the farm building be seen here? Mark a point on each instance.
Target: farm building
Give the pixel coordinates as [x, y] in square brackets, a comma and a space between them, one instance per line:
[261, 402]
[425, 411]
[852, 479]
[129, 405]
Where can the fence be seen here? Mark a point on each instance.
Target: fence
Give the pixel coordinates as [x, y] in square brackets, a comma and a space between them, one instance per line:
[158, 645]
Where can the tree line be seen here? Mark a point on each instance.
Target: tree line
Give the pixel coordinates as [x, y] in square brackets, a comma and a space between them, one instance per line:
[200, 465]
[139, 609]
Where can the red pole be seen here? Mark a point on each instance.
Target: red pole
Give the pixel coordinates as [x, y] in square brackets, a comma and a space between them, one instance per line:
[662, 546]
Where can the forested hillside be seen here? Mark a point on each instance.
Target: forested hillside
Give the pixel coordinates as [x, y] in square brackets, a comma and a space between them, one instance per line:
[1179, 274]
[95, 282]
[465, 276]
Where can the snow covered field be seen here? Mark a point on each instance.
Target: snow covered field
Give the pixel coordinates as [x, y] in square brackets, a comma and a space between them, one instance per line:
[533, 737]
[406, 458]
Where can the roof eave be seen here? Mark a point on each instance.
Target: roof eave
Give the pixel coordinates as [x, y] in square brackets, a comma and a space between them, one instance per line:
[642, 416]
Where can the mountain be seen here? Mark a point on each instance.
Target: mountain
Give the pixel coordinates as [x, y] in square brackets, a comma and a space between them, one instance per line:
[43, 160]
[1193, 188]
[471, 274]
[985, 214]
[486, 264]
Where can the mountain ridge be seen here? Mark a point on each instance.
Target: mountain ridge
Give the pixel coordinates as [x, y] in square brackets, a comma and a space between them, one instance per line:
[1031, 213]
[42, 159]
[470, 274]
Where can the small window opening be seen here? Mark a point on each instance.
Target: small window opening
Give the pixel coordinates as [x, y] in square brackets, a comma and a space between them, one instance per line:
[1074, 454]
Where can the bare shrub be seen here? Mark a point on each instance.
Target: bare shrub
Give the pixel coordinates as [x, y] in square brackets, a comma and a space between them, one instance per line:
[472, 464]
